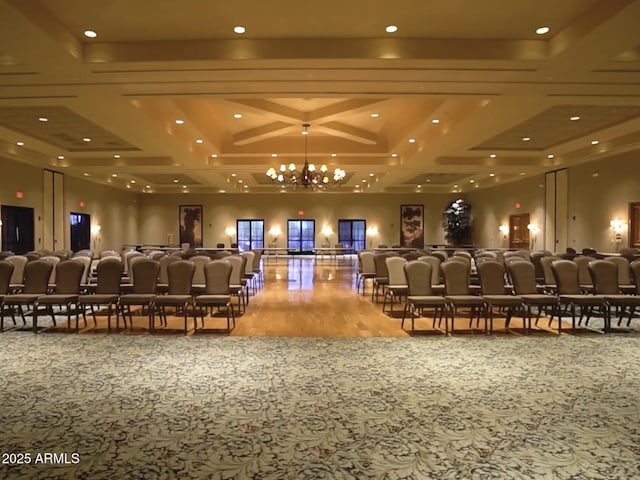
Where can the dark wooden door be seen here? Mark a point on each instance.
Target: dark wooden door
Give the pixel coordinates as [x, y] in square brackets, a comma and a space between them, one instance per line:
[634, 224]
[518, 231]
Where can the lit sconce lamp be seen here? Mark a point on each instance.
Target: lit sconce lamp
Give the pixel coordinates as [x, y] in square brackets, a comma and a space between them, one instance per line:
[618, 226]
[231, 232]
[95, 233]
[275, 232]
[372, 232]
[504, 230]
[326, 232]
[534, 229]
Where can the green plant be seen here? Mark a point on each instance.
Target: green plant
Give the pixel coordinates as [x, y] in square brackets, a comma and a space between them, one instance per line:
[458, 222]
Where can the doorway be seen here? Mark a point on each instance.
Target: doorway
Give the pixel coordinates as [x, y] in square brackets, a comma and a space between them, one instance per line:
[634, 224]
[519, 231]
[80, 231]
[301, 235]
[17, 229]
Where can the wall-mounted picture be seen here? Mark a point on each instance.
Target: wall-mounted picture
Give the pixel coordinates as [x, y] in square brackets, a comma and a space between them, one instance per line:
[191, 225]
[412, 226]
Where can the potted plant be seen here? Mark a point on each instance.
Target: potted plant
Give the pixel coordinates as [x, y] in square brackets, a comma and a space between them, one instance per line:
[457, 223]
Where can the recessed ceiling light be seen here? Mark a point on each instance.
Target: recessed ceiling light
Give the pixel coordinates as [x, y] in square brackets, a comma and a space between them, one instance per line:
[595, 174]
[493, 155]
[237, 115]
[394, 155]
[85, 174]
[147, 186]
[428, 180]
[239, 29]
[20, 144]
[357, 186]
[492, 174]
[114, 175]
[128, 186]
[233, 174]
[412, 140]
[274, 155]
[526, 139]
[60, 157]
[594, 142]
[472, 181]
[375, 115]
[435, 121]
[542, 30]
[43, 119]
[199, 140]
[372, 174]
[86, 139]
[179, 121]
[334, 154]
[240, 181]
[214, 155]
[184, 186]
[133, 181]
[391, 29]
[522, 173]
[551, 155]
[90, 34]
[116, 156]
[246, 186]
[364, 181]
[222, 191]
[419, 186]
[574, 118]
[455, 186]
[175, 180]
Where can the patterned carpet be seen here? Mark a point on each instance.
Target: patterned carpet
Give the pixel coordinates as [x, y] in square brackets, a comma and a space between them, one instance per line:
[151, 407]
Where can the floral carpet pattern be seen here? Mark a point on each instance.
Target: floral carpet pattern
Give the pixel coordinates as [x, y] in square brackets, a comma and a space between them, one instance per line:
[165, 407]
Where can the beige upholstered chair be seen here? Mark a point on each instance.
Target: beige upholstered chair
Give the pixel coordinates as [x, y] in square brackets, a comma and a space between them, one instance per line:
[36, 283]
[19, 262]
[457, 292]
[397, 286]
[236, 283]
[249, 274]
[199, 278]
[436, 272]
[145, 279]
[179, 291]
[65, 294]
[107, 290]
[625, 281]
[6, 270]
[218, 276]
[382, 274]
[492, 276]
[605, 282]
[366, 269]
[419, 293]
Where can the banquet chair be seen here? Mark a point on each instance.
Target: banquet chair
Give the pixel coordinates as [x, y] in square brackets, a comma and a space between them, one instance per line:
[179, 291]
[249, 274]
[6, 270]
[397, 285]
[419, 293]
[492, 276]
[570, 295]
[217, 276]
[36, 283]
[382, 274]
[584, 276]
[605, 282]
[436, 272]
[237, 284]
[523, 277]
[145, 279]
[66, 292]
[457, 292]
[366, 269]
[106, 291]
[198, 282]
[19, 262]
[625, 282]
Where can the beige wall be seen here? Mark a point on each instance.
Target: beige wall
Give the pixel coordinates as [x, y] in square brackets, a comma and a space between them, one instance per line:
[159, 214]
[598, 192]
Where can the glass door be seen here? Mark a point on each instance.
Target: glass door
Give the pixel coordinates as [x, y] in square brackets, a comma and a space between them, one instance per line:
[301, 236]
[80, 231]
[17, 229]
[352, 234]
[250, 234]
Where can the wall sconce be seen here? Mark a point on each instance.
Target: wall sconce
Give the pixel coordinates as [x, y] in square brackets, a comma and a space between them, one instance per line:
[504, 230]
[372, 232]
[95, 233]
[618, 226]
[275, 232]
[326, 232]
[231, 232]
[534, 229]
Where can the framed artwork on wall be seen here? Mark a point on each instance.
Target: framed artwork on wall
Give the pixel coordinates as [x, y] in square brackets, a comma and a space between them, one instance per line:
[190, 217]
[412, 226]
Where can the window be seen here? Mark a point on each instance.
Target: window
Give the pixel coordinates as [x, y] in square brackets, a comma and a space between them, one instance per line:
[301, 235]
[80, 231]
[17, 229]
[352, 234]
[250, 234]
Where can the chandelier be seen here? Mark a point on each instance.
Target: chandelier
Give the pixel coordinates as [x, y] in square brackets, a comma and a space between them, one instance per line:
[308, 176]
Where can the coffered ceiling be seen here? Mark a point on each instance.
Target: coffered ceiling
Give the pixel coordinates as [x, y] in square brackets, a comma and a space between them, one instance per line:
[463, 95]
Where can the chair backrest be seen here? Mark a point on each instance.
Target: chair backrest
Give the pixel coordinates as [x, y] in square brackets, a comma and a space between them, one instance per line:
[549, 278]
[217, 274]
[145, 275]
[418, 276]
[367, 265]
[604, 276]
[55, 261]
[36, 276]
[409, 256]
[108, 253]
[435, 262]
[164, 265]
[536, 259]
[584, 276]
[6, 271]
[156, 254]
[257, 257]
[566, 274]
[456, 277]
[380, 262]
[492, 277]
[109, 272]
[131, 261]
[249, 255]
[396, 271]
[441, 254]
[238, 263]
[523, 277]
[180, 276]
[200, 261]
[624, 271]
[635, 274]
[128, 255]
[69, 276]
[86, 263]
[19, 262]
